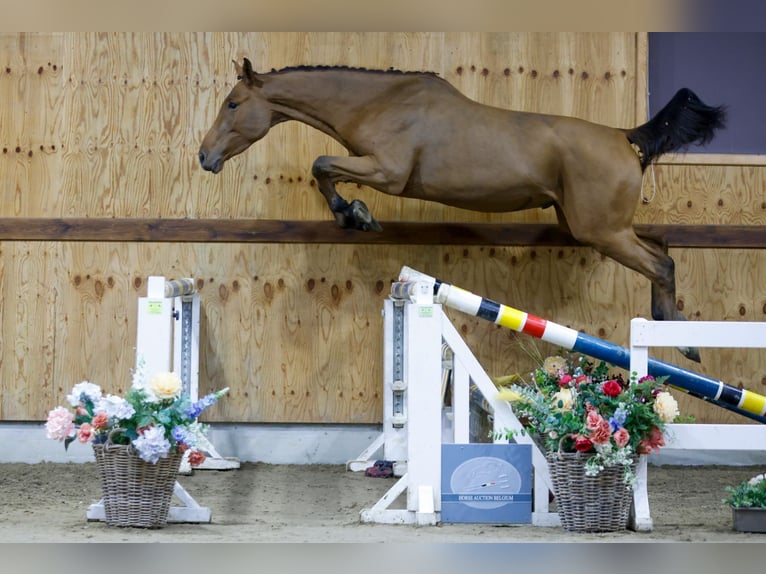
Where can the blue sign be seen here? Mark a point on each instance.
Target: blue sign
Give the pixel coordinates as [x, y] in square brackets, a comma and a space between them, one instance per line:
[487, 483]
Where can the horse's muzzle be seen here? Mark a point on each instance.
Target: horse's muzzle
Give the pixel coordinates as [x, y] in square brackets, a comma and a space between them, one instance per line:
[215, 164]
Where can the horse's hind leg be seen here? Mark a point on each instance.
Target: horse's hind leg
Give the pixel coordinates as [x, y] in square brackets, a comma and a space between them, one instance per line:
[329, 170]
[658, 304]
[648, 256]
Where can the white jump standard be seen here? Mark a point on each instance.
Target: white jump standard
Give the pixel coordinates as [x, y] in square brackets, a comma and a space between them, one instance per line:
[416, 332]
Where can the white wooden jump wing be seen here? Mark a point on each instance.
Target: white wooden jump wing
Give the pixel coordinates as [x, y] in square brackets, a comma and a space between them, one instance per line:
[412, 432]
[692, 437]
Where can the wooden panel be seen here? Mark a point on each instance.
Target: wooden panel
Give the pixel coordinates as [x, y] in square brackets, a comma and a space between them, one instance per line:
[107, 126]
[296, 331]
[715, 194]
[28, 346]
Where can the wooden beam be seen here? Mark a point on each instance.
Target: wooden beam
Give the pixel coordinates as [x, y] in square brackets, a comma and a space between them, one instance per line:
[394, 232]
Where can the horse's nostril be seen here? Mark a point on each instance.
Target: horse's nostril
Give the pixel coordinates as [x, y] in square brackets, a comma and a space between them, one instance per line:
[202, 157]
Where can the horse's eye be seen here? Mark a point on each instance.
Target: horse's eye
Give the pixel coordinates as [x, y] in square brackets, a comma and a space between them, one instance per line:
[233, 105]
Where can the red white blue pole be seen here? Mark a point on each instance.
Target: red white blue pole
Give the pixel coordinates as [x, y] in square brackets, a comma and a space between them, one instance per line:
[741, 401]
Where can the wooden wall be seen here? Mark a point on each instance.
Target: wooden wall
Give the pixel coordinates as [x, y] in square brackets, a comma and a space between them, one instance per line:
[108, 125]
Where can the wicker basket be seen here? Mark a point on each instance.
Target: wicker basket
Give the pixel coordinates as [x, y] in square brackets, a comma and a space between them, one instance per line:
[589, 503]
[136, 493]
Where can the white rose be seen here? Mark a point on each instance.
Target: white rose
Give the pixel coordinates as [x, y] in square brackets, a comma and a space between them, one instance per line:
[666, 407]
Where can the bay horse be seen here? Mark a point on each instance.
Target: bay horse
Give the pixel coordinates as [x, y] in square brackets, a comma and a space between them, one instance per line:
[413, 134]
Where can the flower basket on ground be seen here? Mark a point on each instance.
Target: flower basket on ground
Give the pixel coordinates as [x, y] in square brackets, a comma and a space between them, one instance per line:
[748, 504]
[588, 503]
[138, 442]
[136, 493]
[592, 426]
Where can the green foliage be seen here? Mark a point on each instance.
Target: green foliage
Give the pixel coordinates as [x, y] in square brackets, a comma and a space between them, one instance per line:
[747, 494]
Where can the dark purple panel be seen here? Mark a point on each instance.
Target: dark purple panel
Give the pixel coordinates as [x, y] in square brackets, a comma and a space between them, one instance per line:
[722, 68]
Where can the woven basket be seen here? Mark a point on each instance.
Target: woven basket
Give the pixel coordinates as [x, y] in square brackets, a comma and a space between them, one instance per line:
[136, 493]
[589, 503]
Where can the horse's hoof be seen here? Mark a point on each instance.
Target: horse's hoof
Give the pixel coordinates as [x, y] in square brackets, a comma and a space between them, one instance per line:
[691, 353]
[361, 216]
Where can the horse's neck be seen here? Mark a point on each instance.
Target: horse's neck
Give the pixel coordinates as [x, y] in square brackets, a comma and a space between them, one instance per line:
[325, 99]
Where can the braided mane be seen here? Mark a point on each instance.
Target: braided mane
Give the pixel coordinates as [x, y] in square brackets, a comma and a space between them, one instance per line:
[349, 68]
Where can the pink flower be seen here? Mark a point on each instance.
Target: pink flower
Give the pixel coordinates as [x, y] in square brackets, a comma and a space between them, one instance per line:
[611, 388]
[601, 434]
[85, 433]
[593, 419]
[602, 431]
[565, 380]
[60, 424]
[100, 421]
[621, 437]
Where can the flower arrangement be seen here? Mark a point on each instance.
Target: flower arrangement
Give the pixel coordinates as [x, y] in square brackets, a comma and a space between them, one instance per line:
[155, 417]
[577, 406]
[748, 493]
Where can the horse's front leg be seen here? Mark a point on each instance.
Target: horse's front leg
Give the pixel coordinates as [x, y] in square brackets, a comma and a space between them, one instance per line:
[329, 170]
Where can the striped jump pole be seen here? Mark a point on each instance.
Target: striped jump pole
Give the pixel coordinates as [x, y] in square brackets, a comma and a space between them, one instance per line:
[741, 401]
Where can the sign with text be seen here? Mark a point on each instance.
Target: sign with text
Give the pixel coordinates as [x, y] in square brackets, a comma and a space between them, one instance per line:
[487, 483]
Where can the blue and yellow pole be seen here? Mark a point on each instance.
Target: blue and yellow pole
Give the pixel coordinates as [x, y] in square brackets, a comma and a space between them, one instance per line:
[741, 401]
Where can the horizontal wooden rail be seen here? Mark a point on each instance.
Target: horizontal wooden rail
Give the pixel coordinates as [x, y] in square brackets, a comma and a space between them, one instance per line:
[394, 232]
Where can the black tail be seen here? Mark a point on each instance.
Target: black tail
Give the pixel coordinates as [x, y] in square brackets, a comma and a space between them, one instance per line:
[683, 121]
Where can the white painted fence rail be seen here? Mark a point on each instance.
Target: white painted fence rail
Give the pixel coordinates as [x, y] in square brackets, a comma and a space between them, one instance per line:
[694, 439]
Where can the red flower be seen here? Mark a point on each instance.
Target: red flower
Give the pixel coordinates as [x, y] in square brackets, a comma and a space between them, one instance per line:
[582, 443]
[565, 380]
[611, 388]
[182, 447]
[581, 379]
[196, 458]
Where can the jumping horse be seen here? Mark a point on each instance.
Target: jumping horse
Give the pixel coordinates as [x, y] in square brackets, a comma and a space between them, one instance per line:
[413, 134]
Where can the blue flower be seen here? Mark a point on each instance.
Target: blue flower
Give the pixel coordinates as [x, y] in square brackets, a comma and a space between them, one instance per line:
[617, 420]
[181, 434]
[194, 410]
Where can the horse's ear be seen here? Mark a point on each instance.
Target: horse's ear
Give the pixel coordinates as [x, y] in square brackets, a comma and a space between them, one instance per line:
[238, 69]
[245, 72]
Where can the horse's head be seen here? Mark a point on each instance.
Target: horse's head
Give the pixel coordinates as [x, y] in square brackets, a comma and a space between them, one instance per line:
[244, 118]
